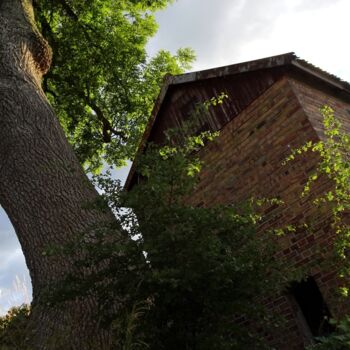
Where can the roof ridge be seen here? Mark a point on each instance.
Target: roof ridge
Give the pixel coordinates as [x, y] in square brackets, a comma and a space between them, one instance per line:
[241, 67]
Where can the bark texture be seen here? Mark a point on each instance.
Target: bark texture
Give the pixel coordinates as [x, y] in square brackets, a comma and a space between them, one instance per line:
[43, 188]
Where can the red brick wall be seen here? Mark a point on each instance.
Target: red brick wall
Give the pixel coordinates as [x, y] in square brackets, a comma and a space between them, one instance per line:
[245, 161]
[312, 100]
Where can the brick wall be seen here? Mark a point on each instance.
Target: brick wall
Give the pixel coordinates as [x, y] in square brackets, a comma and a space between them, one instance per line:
[245, 161]
[268, 113]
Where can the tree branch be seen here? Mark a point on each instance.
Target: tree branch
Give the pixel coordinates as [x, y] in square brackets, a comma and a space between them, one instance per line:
[107, 129]
[68, 9]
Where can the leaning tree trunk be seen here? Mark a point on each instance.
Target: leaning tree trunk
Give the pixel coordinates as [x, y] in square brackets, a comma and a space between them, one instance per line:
[43, 188]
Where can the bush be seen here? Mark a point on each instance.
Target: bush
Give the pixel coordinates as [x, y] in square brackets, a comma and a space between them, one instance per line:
[12, 328]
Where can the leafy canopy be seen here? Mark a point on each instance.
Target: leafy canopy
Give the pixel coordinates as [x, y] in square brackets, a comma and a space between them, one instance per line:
[101, 84]
[183, 274]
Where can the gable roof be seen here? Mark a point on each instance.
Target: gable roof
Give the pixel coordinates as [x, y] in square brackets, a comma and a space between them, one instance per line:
[285, 62]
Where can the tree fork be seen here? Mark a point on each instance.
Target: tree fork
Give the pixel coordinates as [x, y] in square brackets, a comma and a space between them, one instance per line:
[43, 188]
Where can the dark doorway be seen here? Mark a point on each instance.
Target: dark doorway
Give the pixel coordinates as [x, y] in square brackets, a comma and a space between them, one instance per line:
[312, 306]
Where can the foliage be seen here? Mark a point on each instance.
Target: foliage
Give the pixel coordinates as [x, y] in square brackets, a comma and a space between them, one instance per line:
[334, 152]
[101, 83]
[182, 276]
[340, 340]
[12, 326]
[206, 265]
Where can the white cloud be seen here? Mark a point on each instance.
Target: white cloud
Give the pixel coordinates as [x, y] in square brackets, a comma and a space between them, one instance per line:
[317, 34]
[224, 32]
[15, 286]
[18, 293]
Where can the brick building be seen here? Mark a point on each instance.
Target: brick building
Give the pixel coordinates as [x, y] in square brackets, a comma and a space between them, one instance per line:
[272, 107]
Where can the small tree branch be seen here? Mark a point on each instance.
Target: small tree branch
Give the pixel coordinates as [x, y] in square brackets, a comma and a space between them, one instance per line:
[68, 9]
[107, 129]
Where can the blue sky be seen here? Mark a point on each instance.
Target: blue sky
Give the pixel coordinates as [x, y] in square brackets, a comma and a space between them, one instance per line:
[221, 32]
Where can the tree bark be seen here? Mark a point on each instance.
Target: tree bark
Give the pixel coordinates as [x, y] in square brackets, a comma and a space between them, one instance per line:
[43, 188]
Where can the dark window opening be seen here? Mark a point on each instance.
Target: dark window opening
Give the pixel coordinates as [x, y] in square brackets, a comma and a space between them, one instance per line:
[312, 306]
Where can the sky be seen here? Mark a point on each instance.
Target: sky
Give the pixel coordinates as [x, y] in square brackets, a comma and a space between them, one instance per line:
[221, 32]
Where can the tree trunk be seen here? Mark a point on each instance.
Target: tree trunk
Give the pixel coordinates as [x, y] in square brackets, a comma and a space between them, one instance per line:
[43, 188]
